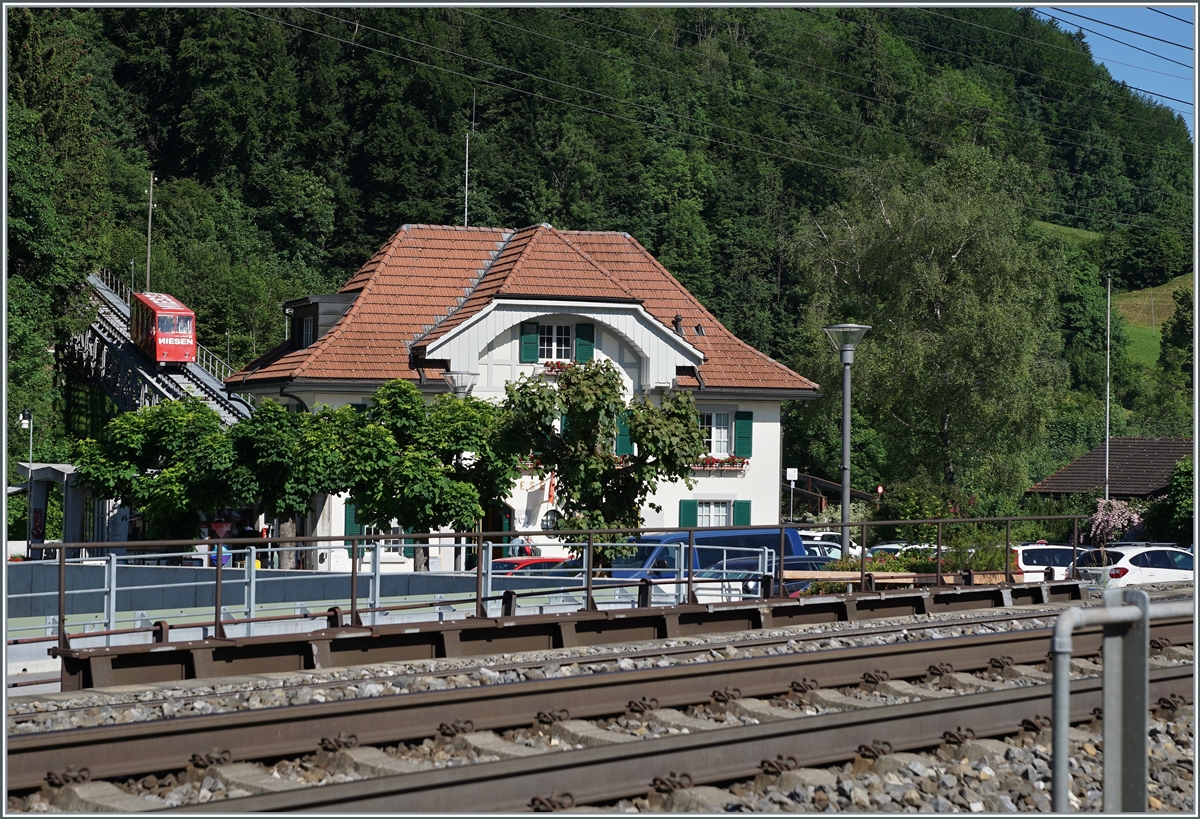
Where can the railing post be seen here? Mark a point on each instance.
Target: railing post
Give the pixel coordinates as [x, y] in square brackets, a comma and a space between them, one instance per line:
[487, 571]
[480, 605]
[778, 582]
[251, 587]
[1126, 705]
[589, 601]
[354, 621]
[1008, 577]
[862, 562]
[110, 598]
[691, 581]
[376, 567]
[219, 555]
[939, 553]
[63, 642]
[681, 554]
[1074, 548]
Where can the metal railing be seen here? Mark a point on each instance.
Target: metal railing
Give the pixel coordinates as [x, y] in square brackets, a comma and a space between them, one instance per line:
[677, 583]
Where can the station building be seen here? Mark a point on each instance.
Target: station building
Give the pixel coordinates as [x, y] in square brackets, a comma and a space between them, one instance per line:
[495, 304]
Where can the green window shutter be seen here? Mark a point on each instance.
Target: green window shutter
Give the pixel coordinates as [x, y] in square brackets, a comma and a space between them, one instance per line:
[529, 342]
[741, 513]
[353, 527]
[585, 341]
[687, 513]
[562, 425]
[743, 434]
[624, 444]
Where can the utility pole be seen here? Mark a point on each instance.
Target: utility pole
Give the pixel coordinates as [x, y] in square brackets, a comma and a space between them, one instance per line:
[1107, 380]
[27, 423]
[132, 285]
[149, 223]
[467, 166]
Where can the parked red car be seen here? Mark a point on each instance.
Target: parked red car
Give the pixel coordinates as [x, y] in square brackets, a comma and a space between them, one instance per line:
[525, 565]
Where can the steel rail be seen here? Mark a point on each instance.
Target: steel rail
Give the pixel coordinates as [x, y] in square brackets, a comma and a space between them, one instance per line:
[148, 747]
[604, 774]
[680, 651]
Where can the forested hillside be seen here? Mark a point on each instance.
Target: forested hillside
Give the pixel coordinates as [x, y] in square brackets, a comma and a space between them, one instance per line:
[927, 172]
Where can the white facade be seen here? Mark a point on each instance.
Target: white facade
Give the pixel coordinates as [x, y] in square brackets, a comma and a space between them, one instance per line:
[646, 354]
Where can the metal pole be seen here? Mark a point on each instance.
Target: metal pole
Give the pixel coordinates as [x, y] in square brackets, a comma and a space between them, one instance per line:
[1126, 705]
[251, 587]
[589, 603]
[29, 492]
[62, 598]
[1107, 379]
[1008, 578]
[480, 605]
[218, 629]
[939, 554]
[846, 359]
[132, 286]
[779, 563]
[376, 567]
[149, 223]
[110, 598]
[691, 584]
[1074, 547]
[354, 621]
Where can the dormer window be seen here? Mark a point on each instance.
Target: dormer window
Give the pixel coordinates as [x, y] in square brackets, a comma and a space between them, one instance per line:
[306, 336]
[554, 342]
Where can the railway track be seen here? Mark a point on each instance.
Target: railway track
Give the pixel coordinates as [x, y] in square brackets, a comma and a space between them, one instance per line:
[765, 685]
[25, 710]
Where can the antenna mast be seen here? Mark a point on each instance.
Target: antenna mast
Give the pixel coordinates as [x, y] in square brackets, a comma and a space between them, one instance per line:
[467, 167]
[149, 223]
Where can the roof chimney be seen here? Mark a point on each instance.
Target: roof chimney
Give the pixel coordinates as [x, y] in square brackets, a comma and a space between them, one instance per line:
[678, 322]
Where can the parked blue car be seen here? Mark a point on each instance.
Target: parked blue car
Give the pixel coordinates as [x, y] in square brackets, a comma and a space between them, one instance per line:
[656, 555]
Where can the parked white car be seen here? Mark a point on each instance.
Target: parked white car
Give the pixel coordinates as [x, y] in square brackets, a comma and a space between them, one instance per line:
[834, 539]
[1137, 565]
[1037, 557]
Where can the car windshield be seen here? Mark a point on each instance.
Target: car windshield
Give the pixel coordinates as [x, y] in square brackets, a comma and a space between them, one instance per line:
[166, 324]
[639, 557]
[1100, 557]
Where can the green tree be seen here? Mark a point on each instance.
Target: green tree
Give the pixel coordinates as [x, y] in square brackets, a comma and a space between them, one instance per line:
[1172, 517]
[172, 460]
[572, 430]
[292, 456]
[427, 465]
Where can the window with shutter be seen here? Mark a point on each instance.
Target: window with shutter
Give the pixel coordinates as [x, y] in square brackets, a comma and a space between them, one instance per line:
[624, 443]
[353, 527]
[585, 341]
[743, 434]
[687, 513]
[529, 342]
[741, 513]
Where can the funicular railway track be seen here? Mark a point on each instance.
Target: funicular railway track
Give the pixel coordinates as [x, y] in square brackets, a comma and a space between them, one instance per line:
[611, 771]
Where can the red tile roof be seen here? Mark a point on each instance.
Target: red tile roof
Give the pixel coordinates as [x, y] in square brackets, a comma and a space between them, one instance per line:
[426, 280]
[1137, 468]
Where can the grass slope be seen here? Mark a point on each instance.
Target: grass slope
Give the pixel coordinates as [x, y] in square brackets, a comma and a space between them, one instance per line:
[1145, 311]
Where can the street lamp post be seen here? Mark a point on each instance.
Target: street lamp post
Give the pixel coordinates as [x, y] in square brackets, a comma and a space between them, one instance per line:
[461, 382]
[845, 338]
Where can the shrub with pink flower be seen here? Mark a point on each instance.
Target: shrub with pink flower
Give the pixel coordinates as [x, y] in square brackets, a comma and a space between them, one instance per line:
[1112, 517]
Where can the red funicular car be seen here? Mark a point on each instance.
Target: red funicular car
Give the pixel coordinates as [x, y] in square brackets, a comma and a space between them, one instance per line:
[163, 328]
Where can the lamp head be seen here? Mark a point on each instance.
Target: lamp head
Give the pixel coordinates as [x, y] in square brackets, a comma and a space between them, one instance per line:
[460, 381]
[845, 338]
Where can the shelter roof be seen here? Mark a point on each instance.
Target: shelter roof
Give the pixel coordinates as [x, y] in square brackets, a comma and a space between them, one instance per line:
[1137, 468]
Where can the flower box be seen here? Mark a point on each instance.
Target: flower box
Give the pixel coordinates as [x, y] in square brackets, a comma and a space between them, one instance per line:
[731, 464]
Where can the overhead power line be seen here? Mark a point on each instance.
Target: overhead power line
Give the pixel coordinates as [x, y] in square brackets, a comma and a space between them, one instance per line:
[1172, 16]
[1121, 28]
[1122, 42]
[1073, 51]
[807, 110]
[885, 84]
[1028, 198]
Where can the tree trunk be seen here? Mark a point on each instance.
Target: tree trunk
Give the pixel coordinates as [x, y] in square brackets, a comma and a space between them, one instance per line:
[287, 528]
[420, 558]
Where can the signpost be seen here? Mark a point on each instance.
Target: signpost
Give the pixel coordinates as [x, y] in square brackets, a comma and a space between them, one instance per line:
[792, 474]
